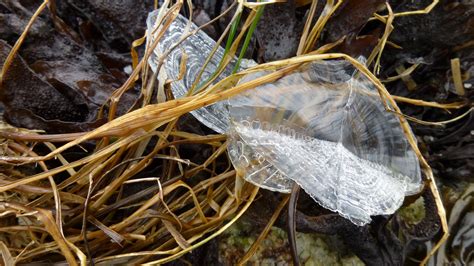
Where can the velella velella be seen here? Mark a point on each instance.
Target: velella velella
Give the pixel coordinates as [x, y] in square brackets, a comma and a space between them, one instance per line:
[325, 127]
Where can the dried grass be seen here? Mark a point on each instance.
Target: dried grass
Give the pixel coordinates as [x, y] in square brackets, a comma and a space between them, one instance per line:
[88, 211]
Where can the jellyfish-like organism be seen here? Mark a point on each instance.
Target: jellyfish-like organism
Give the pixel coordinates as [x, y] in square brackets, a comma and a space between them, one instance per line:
[325, 127]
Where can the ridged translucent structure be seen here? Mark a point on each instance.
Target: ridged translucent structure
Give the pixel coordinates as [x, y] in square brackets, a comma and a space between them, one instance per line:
[253, 166]
[325, 128]
[197, 47]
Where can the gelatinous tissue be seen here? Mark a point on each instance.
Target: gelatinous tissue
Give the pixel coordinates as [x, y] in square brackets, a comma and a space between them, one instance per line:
[323, 126]
[197, 48]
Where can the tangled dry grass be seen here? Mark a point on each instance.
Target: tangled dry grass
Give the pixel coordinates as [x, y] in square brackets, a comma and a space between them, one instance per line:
[135, 197]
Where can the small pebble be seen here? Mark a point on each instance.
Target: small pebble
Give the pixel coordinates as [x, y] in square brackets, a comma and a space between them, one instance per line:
[428, 138]
[128, 69]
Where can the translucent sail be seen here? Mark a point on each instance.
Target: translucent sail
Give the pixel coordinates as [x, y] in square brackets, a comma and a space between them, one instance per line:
[197, 47]
[325, 128]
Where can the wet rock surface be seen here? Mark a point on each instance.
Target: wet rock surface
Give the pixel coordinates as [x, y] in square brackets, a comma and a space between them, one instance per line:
[79, 78]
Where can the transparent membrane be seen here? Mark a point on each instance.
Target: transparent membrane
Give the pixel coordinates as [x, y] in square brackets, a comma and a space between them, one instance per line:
[324, 127]
[197, 47]
[254, 167]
